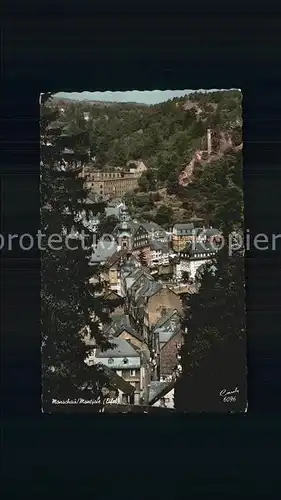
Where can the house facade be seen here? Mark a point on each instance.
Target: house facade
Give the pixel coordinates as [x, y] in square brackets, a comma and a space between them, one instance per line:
[192, 259]
[118, 299]
[168, 355]
[126, 361]
[160, 302]
[111, 270]
[111, 182]
[159, 254]
[182, 234]
[120, 391]
[161, 394]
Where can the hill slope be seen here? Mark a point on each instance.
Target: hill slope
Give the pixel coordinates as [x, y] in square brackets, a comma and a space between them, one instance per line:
[171, 139]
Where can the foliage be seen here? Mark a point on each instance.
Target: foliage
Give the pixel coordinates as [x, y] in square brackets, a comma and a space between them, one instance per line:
[70, 307]
[164, 136]
[107, 224]
[216, 192]
[173, 183]
[215, 323]
[164, 216]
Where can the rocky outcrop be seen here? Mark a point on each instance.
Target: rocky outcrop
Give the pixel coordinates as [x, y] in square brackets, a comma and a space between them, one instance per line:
[202, 157]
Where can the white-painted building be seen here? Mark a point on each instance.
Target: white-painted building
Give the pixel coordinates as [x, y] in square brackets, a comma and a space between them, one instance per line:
[159, 253]
[125, 361]
[194, 258]
[167, 401]
[161, 394]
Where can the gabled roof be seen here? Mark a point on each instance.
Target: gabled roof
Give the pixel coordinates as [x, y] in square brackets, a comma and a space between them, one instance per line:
[125, 324]
[166, 334]
[116, 382]
[112, 210]
[198, 247]
[158, 245]
[154, 287]
[116, 257]
[137, 273]
[103, 251]
[210, 232]
[111, 294]
[187, 226]
[123, 348]
[158, 389]
[168, 326]
[132, 227]
[152, 226]
[146, 291]
[167, 316]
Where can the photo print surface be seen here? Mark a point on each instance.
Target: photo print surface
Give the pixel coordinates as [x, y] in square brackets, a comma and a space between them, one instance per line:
[142, 251]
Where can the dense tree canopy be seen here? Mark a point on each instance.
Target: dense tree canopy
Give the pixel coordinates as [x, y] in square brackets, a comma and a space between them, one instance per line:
[216, 192]
[214, 352]
[164, 136]
[70, 305]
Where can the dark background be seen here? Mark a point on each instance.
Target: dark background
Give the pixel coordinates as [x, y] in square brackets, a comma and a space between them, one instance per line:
[119, 49]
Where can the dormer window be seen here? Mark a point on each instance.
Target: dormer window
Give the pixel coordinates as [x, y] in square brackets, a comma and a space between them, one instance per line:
[125, 361]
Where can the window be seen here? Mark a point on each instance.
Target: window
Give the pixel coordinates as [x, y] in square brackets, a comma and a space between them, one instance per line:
[125, 361]
[101, 186]
[133, 373]
[124, 399]
[110, 361]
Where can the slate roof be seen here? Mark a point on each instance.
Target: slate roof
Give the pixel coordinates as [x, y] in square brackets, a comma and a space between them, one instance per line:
[113, 259]
[165, 335]
[148, 289]
[199, 248]
[167, 316]
[158, 390]
[158, 245]
[123, 348]
[132, 227]
[112, 293]
[116, 382]
[211, 232]
[186, 226]
[112, 211]
[103, 251]
[136, 274]
[168, 326]
[152, 226]
[124, 324]
[154, 287]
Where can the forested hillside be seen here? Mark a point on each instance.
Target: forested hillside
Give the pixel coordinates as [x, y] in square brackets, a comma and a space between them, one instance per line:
[171, 139]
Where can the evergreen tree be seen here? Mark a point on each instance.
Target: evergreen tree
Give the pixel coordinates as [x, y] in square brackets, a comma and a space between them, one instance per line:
[107, 224]
[173, 183]
[215, 342]
[71, 306]
[164, 215]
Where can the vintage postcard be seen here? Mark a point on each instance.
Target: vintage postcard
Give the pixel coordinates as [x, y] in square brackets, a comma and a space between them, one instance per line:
[142, 247]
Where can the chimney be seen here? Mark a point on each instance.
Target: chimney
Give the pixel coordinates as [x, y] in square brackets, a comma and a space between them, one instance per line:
[209, 141]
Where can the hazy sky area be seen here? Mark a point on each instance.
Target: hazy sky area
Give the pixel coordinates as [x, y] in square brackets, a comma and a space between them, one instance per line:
[140, 96]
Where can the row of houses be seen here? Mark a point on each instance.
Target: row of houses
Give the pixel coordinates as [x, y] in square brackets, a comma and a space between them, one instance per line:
[145, 329]
[151, 244]
[145, 333]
